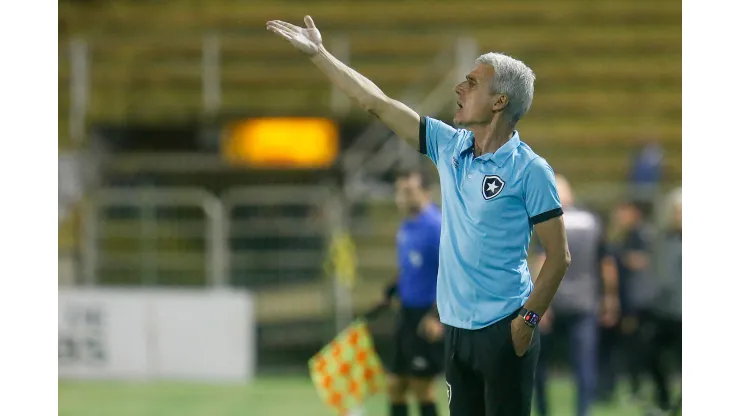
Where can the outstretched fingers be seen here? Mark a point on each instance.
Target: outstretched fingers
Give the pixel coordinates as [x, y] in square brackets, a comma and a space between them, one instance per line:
[288, 27]
[280, 32]
[284, 26]
[309, 22]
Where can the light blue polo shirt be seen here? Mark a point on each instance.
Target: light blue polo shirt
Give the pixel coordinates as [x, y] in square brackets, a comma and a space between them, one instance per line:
[490, 205]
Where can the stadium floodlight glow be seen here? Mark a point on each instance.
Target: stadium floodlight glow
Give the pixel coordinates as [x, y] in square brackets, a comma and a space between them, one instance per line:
[282, 142]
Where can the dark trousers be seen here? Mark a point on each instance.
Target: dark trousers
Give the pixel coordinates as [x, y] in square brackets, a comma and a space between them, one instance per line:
[581, 332]
[634, 351]
[484, 375]
[413, 355]
[645, 351]
[636, 346]
[609, 344]
[666, 339]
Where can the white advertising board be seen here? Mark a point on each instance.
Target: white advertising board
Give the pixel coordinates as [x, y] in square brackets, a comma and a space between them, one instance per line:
[206, 335]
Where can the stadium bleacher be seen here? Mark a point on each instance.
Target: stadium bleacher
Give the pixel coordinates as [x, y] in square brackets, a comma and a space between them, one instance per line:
[607, 71]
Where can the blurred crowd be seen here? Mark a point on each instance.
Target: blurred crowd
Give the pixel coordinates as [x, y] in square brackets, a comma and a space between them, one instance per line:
[646, 245]
[618, 310]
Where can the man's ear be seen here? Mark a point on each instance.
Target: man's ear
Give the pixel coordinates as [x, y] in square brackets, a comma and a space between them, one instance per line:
[501, 102]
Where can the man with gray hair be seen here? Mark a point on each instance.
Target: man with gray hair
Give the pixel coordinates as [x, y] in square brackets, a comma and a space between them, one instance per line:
[495, 192]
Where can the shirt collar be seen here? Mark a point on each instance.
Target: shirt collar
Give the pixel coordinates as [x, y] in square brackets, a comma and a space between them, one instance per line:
[502, 154]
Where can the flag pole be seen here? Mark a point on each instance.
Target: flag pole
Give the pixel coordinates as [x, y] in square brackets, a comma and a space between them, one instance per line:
[343, 262]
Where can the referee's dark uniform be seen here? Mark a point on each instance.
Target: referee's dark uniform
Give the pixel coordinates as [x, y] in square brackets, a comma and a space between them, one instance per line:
[417, 244]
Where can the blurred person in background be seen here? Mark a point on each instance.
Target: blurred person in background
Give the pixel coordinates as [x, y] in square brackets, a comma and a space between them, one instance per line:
[638, 286]
[418, 350]
[610, 338]
[666, 323]
[496, 191]
[588, 294]
[647, 168]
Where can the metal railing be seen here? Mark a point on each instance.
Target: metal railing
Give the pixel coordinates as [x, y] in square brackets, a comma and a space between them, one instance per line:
[153, 236]
[268, 233]
[275, 233]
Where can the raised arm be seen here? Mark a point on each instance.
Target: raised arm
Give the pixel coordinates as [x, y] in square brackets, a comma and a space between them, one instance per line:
[397, 116]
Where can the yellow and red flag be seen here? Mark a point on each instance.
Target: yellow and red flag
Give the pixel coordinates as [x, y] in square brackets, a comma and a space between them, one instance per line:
[347, 371]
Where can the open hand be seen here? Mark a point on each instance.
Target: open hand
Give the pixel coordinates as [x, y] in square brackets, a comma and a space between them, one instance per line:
[306, 40]
[521, 335]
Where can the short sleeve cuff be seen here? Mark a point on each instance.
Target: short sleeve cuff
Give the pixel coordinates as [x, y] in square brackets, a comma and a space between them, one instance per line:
[553, 213]
[423, 135]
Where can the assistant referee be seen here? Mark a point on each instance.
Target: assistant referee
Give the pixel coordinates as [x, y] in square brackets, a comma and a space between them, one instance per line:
[495, 192]
[418, 351]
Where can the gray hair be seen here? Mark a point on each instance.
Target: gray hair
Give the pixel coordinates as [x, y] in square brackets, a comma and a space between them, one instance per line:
[512, 78]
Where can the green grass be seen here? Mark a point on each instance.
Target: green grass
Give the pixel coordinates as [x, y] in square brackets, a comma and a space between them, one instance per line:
[267, 396]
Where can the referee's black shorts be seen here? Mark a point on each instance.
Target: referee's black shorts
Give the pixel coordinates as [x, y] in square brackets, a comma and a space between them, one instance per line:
[484, 374]
[413, 355]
